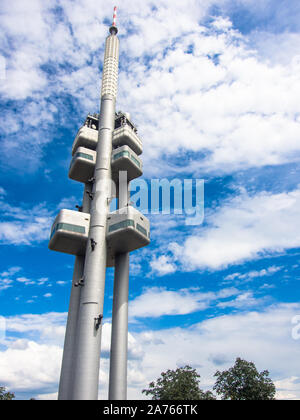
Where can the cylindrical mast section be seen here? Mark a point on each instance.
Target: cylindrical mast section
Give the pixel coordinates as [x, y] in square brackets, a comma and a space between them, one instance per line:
[86, 377]
[66, 375]
[119, 331]
[70, 335]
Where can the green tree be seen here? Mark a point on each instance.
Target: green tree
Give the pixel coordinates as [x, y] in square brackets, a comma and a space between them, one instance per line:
[244, 382]
[4, 395]
[179, 384]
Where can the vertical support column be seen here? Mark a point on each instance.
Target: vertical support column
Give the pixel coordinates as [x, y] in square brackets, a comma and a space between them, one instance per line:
[70, 335]
[119, 331]
[65, 383]
[87, 364]
[86, 376]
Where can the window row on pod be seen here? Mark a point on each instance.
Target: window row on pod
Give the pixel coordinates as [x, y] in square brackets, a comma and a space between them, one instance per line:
[83, 163]
[127, 230]
[124, 134]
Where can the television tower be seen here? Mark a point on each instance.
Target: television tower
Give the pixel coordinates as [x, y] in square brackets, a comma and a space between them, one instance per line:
[105, 158]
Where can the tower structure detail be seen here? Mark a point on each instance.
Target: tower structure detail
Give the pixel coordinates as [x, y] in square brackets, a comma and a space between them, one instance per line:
[105, 158]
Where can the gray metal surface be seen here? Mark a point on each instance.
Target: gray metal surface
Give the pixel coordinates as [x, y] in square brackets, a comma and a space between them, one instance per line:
[124, 159]
[119, 330]
[65, 383]
[82, 166]
[87, 363]
[86, 137]
[126, 136]
[127, 238]
[66, 240]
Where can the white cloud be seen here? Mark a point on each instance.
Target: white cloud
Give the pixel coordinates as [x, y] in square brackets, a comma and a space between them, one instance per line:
[242, 112]
[249, 276]
[279, 48]
[222, 23]
[18, 233]
[48, 397]
[42, 281]
[267, 286]
[7, 277]
[288, 388]
[49, 326]
[155, 302]
[244, 228]
[243, 301]
[31, 364]
[68, 203]
[24, 226]
[10, 271]
[5, 283]
[211, 92]
[2, 68]
[189, 88]
[25, 281]
[162, 265]
[23, 363]
[253, 336]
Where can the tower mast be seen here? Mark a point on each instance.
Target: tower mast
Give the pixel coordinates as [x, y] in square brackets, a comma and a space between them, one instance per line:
[119, 330]
[87, 363]
[105, 154]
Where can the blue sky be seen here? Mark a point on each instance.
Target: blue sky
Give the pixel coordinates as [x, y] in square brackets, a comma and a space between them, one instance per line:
[214, 88]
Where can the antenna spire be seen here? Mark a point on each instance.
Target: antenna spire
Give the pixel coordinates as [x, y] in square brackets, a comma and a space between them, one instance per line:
[115, 16]
[113, 29]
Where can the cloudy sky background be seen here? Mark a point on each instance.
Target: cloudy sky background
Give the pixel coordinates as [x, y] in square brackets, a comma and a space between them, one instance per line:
[214, 88]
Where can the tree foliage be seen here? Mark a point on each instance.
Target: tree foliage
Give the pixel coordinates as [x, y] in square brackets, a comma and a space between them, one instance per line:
[244, 382]
[179, 384]
[4, 395]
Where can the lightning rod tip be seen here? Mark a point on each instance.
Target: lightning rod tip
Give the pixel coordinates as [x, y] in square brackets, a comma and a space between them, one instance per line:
[113, 29]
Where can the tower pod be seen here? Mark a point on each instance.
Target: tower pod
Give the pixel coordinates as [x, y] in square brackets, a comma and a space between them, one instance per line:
[127, 230]
[86, 137]
[82, 165]
[124, 159]
[69, 232]
[125, 135]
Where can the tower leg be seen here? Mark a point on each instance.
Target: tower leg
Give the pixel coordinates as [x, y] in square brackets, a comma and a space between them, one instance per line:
[66, 375]
[119, 333]
[119, 329]
[65, 383]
